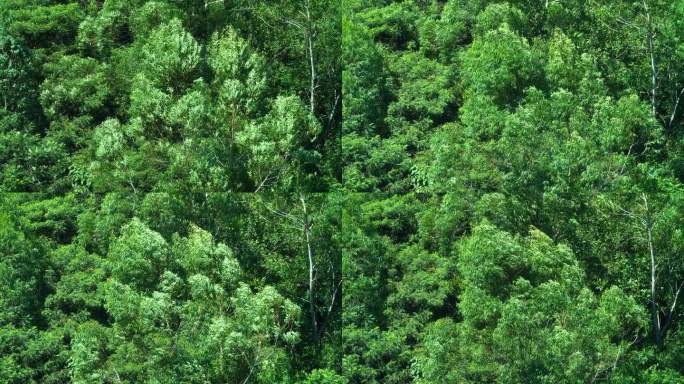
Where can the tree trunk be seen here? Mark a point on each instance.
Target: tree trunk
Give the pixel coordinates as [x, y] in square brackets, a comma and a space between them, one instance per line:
[312, 67]
[309, 252]
[654, 305]
[654, 68]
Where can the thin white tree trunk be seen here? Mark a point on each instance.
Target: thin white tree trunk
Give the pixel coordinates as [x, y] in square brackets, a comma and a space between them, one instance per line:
[654, 306]
[312, 66]
[309, 252]
[654, 68]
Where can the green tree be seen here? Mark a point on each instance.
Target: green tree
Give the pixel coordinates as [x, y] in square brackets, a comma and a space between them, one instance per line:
[528, 316]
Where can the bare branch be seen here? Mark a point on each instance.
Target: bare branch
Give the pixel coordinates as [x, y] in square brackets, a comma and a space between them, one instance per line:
[674, 110]
[673, 307]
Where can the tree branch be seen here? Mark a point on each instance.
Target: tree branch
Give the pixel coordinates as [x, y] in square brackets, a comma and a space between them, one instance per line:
[674, 110]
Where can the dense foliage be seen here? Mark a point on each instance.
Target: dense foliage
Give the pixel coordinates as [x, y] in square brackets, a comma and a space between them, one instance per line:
[515, 184]
[341, 191]
[162, 167]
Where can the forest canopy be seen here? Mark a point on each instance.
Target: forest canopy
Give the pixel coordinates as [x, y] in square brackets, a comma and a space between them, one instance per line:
[165, 165]
[341, 191]
[513, 172]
